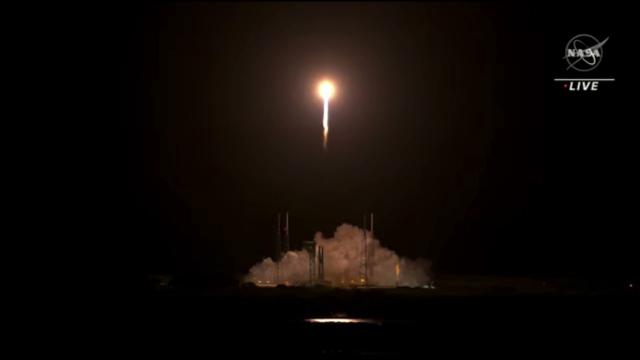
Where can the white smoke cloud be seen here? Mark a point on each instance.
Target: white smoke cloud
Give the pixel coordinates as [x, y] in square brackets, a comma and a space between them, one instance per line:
[342, 259]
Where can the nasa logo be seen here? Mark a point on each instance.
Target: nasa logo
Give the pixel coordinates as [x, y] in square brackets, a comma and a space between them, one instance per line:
[584, 52]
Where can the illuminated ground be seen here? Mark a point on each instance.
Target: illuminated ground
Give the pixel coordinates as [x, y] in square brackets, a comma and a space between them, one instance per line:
[385, 323]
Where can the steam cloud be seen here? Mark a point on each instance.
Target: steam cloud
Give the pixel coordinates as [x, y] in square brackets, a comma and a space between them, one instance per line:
[342, 258]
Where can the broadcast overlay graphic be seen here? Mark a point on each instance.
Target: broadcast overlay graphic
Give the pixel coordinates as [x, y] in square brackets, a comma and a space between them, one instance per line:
[583, 55]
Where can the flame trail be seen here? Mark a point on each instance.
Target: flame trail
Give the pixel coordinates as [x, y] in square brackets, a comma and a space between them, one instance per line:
[326, 91]
[325, 122]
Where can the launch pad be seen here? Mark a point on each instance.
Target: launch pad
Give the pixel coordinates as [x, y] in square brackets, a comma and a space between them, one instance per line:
[352, 258]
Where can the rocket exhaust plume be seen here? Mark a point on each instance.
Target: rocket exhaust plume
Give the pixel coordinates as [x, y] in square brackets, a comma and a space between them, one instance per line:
[325, 123]
[341, 256]
[326, 91]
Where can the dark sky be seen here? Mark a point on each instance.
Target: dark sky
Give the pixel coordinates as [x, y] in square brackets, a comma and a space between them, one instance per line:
[447, 125]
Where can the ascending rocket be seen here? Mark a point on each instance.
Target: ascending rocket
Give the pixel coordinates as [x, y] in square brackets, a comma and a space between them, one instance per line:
[326, 91]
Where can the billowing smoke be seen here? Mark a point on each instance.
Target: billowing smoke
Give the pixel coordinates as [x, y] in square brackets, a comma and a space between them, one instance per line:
[343, 256]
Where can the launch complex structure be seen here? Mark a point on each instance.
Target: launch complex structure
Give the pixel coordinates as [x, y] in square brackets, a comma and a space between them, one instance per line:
[316, 255]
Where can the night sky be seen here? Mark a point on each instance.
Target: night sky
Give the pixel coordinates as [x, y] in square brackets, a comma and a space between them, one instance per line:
[447, 125]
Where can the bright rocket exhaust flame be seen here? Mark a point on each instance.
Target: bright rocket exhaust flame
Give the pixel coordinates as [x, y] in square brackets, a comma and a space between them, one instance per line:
[326, 91]
[325, 123]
